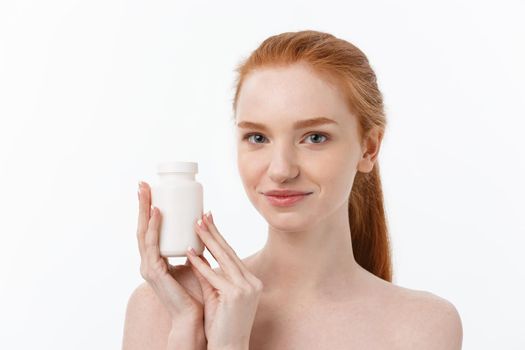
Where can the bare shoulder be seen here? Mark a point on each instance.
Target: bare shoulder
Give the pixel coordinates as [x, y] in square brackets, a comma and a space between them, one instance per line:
[147, 322]
[425, 320]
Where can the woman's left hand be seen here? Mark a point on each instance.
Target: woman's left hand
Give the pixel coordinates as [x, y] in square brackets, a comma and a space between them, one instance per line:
[230, 300]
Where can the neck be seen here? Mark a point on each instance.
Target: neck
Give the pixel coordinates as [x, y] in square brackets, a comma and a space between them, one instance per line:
[316, 262]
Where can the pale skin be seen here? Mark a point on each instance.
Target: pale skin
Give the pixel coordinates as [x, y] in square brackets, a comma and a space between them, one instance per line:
[220, 317]
[314, 294]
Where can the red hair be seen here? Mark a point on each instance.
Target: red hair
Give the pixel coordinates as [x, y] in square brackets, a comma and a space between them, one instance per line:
[342, 63]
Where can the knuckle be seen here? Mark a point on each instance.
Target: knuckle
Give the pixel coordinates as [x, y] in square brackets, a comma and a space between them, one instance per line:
[255, 283]
[144, 273]
[150, 273]
[248, 289]
[236, 293]
[144, 270]
[258, 285]
[245, 287]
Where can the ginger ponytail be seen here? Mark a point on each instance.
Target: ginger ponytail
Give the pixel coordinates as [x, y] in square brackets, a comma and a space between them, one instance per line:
[368, 224]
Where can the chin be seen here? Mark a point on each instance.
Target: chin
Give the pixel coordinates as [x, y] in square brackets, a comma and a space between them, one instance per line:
[287, 220]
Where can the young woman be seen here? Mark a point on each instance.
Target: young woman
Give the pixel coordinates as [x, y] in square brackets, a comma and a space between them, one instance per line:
[310, 120]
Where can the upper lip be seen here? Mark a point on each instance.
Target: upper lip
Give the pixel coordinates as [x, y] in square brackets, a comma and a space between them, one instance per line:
[284, 193]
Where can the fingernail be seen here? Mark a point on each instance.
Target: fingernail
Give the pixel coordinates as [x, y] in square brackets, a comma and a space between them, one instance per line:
[191, 251]
[199, 222]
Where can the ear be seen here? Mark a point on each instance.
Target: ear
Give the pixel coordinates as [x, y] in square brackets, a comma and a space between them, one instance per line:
[371, 145]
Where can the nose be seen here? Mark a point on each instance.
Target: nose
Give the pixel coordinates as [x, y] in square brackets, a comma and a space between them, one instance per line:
[283, 165]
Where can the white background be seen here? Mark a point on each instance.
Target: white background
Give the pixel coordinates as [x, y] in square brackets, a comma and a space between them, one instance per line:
[94, 93]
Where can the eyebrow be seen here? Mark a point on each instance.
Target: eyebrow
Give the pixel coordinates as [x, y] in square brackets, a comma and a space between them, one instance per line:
[306, 123]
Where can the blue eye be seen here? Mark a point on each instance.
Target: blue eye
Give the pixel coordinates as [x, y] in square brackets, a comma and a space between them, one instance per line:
[318, 135]
[248, 136]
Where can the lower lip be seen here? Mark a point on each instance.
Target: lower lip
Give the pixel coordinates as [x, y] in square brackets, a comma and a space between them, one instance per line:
[285, 201]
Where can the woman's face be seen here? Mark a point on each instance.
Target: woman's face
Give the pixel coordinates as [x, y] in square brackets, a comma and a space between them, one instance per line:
[282, 154]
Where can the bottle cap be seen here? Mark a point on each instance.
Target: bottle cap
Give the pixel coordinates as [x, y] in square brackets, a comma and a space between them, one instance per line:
[177, 167]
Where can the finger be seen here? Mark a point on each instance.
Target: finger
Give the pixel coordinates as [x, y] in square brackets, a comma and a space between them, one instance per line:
[206, 271]
[144, 215]
[152, 249]
[206, 287]
[229, 267]
[208, 220]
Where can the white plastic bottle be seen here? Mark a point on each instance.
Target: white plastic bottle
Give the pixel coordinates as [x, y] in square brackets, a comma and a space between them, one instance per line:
[179, 198]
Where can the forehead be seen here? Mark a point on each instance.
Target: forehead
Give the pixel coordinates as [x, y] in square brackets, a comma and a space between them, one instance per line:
[291, 93]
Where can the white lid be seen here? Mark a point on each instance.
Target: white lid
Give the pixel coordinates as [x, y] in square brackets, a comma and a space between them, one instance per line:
[177, 167]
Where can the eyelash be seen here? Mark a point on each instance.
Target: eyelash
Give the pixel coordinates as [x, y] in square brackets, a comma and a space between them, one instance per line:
[314, 133]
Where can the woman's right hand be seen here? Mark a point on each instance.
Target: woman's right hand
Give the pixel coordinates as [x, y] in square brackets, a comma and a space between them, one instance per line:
[185, 310]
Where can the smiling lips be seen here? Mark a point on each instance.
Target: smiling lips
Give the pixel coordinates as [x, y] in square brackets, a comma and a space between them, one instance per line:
[285, 198]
